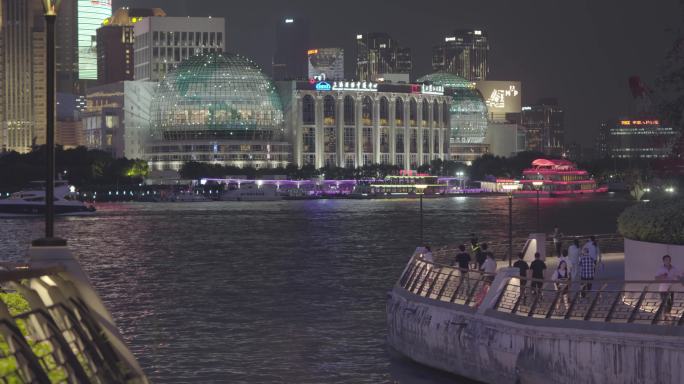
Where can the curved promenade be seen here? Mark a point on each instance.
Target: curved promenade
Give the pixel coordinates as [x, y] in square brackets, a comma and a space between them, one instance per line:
[497, 333]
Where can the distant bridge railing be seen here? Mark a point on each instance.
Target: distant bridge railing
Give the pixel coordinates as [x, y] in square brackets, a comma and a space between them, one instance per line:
[636, 302]
[48, 334]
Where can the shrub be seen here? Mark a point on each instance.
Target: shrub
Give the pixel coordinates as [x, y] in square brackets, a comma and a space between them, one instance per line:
[660, 221]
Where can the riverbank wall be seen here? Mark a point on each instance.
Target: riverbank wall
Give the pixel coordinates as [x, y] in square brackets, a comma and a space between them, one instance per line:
[496, 347]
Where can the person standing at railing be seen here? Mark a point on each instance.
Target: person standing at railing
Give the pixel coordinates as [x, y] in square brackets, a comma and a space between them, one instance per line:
[573, 259]
[561, 279]
[482, 256]
[667, 272]
[524, 268]
[463, 261]
[538, 267]
[475, 247]
[587, 266]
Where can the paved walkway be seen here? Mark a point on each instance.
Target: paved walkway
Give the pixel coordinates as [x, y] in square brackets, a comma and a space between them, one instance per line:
[613, 266]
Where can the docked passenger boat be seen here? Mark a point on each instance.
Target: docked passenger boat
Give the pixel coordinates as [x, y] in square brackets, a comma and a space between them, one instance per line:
[252, 192]
[557, 178]
[31, 201]
[406, 183]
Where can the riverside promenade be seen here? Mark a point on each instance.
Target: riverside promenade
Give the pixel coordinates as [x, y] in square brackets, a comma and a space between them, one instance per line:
[619, 332]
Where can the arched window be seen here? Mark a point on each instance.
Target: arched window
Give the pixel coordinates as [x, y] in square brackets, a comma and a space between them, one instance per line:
[349, 111]
[329, 110]
[425, 114]
[445, 114]
[413, 112]
[435, 113]
[384, 111]
[399, 111]
[367, 111]
[308, 110]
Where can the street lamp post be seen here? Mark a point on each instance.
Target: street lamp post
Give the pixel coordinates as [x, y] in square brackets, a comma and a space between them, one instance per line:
[50, 7]
[420, 188]
[538, 185]
[509, 188]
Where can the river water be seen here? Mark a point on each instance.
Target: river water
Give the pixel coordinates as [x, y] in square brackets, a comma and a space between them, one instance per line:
[277, 292]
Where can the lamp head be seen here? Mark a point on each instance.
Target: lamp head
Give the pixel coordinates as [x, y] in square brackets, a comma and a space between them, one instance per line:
[51, 7]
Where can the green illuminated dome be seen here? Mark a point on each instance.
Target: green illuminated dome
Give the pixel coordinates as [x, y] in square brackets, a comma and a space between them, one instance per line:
[217, 95]
[468, 108]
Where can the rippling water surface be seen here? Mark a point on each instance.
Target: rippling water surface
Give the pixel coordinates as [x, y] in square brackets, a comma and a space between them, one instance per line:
[273, 292]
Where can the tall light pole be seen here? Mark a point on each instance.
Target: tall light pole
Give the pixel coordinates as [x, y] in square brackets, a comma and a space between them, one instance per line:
[420, 190]
[51, 8]
[538, 185]
[509, 188]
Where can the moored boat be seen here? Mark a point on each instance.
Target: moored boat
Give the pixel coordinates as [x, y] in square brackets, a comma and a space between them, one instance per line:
[31, 201]
[557, 178]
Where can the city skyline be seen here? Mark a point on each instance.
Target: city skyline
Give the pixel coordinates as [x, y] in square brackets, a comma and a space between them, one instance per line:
[586, 69]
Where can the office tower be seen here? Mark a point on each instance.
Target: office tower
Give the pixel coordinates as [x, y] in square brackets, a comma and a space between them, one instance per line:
[326, 61]
[76, 49]
[115, 44]
[292, 45]
[161, 43]
[544, 124]
[379, 57]
[22, 75]
[636, 137]
[463, 53]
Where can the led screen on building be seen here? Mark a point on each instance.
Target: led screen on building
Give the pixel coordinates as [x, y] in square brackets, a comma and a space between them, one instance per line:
[501, 96]
[91, 14]
[328, 61]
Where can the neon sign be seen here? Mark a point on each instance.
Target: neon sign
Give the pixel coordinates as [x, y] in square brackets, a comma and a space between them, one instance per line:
[639, 122]
[312, 52]
[432, 89]
[363, 86]
[323, 86]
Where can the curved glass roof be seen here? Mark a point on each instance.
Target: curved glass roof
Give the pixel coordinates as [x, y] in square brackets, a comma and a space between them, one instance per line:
[447, 80]
[216, 92]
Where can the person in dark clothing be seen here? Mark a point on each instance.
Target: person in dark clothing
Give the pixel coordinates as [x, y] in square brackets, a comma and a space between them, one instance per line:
[522, 265]
[462, 259]
[482, 256]
[475, 246]
[537, 267]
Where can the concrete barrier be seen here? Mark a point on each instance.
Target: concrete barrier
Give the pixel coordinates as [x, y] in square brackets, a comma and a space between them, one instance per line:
[494, 347]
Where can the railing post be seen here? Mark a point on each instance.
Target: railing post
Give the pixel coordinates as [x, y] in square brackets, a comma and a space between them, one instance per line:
[638, 304]
[554, 303]
[460, 283]
[587, 316]
[434, 281]
[533, 307]
[446, 281]
[425, 280]
[416, 278]
[407, 273]
[609, 316]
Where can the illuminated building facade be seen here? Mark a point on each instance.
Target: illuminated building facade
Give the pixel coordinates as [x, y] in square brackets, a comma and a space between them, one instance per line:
[379, 56]
[351, 124]
[115, 40]
[463, 53]
[636, 138]
[22, 75]
[218, 108]
[117, 118]
[326, 61]
[162, 43]
[292, 44]
[544, 124]
[91, 14]
[467, 115]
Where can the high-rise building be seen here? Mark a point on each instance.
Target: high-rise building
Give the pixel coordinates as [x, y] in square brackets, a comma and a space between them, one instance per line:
[22, 75]
[463, 53]
[76, 43]
[161, 43]
[328, 62]
[292, 45]
[379, 57]
[636, 138]
[115, 44]
[544, 123]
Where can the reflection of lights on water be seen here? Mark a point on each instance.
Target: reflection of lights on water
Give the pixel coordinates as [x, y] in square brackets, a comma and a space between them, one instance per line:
[460, 198]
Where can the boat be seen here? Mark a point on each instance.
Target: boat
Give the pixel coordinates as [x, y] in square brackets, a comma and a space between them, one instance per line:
[31, 201]
[557, 178]
[252, 192]
[408, 182]
[187, 197]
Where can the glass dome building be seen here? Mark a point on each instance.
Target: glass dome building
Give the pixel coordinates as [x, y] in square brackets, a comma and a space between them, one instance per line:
[468, 108]
[216, 107]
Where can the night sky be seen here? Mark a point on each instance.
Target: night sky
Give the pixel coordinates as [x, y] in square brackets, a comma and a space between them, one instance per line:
[580, 51]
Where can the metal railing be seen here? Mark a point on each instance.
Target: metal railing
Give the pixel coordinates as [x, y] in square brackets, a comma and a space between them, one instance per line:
[607, 242]
[638, 302]
[634, 302]
[445, 283]
[49, 335]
